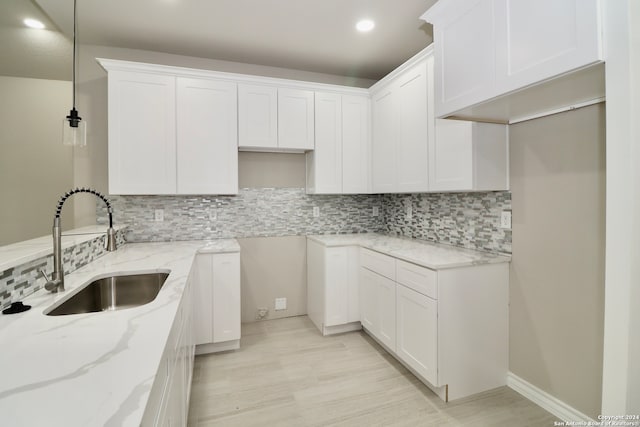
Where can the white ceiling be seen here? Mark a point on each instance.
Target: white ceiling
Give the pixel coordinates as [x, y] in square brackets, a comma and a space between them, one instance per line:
[311, 35]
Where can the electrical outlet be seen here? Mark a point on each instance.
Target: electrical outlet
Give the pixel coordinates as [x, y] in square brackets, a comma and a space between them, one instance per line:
[316, 212]
[280, 304]
[505, 219]
[262, 313]
[159, 215]
[409, 212]
[213, 214]
[376, 211]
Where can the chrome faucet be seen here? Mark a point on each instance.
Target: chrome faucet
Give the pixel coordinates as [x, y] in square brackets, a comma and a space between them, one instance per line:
[56, 282]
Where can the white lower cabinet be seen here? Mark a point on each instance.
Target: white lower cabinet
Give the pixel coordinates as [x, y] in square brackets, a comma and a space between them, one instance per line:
[168, 403]
[417, 347]
[449, 327]
[333, 300]
[217, 302]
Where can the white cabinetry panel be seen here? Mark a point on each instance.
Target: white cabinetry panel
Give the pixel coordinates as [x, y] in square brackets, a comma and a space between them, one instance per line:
[226, 297]
[333, 297]
[495, 63]
[142, 133]
[257, 116]
[356, 142]
[295, 119]
[418, 332]
[412, 130]
[324, 163]
[207, 152]
[383, 149]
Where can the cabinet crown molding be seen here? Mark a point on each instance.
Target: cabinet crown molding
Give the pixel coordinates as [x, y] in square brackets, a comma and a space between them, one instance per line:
[120, 65]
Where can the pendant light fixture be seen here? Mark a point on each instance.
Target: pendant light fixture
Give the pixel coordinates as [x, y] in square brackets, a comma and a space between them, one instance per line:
[74, 129]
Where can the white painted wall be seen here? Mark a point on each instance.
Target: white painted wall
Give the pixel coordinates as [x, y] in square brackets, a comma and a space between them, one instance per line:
[621, 365]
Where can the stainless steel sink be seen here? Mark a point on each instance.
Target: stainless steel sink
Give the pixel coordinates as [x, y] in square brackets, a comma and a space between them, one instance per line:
[113, 293]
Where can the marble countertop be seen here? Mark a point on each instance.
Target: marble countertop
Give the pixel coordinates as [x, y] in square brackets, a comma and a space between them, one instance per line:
[431, 255]
[93, 369]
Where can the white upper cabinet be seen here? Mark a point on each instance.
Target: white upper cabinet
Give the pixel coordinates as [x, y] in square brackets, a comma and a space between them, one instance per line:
[142, 133]
[295, 119]
[170, 133]
[207, 153]
[356, 143]
[412, 129]
[488, 48]
[400, 131]
[273, 118]
[340, 161]
[383, 152]
[257, 116]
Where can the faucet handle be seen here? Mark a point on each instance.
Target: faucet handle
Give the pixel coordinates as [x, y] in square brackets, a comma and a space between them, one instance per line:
[43, 274]
[51, 285]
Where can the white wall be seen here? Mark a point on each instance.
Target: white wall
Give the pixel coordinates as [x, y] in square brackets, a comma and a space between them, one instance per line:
[621, 372]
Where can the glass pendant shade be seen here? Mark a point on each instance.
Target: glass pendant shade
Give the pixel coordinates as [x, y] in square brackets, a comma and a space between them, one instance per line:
[74, 130]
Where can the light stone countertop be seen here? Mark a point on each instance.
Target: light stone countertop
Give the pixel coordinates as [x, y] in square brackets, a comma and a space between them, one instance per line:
[93, 369]
[431, 255]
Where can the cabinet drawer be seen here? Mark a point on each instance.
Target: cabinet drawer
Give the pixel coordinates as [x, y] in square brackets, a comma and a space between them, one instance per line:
[381, 264]
[420, 279]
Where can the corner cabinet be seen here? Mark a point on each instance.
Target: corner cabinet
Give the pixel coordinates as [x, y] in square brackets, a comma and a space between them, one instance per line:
[333, 300]
[168, 133]
[339, 164]
[507, 51]
[217, 302]
[275, 118]
[400, 122]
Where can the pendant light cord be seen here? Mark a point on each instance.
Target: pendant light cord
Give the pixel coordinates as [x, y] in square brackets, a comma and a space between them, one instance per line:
[74, 52]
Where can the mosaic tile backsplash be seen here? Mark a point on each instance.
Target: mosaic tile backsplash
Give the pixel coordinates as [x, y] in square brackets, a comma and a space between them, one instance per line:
[254, 212]
[23, 280]
[468, 220]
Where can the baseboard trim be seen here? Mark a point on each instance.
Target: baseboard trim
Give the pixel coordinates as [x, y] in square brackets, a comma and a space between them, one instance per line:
[545, 400]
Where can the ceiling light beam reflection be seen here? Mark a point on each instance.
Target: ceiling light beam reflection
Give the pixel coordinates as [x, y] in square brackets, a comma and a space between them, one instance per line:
[365, 25]
[33, 23]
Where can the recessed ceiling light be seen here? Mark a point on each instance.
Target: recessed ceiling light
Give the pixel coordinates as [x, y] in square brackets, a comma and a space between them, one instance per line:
[365, 25]
[33, 23]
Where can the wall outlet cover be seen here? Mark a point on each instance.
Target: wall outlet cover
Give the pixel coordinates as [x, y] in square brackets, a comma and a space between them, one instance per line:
[158, 215]
[376, 211]
[316, 212]
[505, 219]
[281, 304]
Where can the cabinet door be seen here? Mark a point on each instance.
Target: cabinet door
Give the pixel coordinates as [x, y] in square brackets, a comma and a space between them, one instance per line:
[450, 156]
[207, 147]
[356, 142]
[383, 149]
[417, 345]
[465, 56]
[353, 284]
[326, 170]
[226, 297]
[525, 55]
[257, 116]
[386, 294]
[295, 119]
[412, 130]
[336, 286]
[142, 133]
[203, 299]
[369, 313]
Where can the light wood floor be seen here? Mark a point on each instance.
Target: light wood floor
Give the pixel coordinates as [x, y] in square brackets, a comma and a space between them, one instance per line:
[287, 374]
